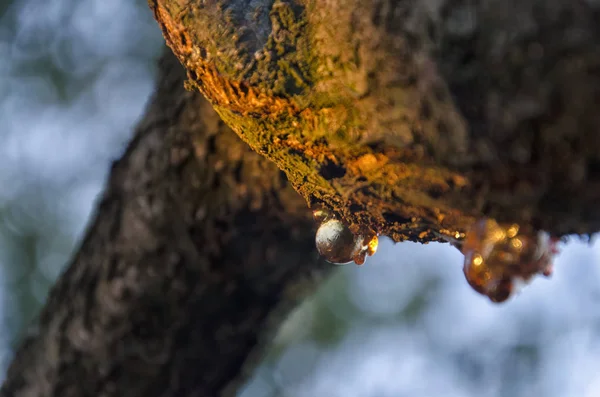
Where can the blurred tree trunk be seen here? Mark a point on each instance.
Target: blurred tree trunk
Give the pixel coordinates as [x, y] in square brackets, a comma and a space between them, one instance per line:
[197, 251]
[408, 118]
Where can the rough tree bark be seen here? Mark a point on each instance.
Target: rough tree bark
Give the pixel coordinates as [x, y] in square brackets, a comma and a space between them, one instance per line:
[197, 248]
[410, 118]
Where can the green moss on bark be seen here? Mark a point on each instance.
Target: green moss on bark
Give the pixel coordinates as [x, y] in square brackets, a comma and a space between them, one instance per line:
[352, 100]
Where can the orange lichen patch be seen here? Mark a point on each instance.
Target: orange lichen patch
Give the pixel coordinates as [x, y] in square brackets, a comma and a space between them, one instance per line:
[293, 143]
[237, 96]
[368, 163]
[376, 167]
[496, 256]
[459, 180]
[309, 149]
[175, 34]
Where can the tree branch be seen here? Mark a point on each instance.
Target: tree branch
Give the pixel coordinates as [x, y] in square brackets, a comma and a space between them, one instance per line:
[410, 118]
[403, 117]
[197, 250]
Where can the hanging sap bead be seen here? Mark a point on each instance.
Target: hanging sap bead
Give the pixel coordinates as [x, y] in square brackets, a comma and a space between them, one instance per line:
[482, 278]
[498, 256]
[337, 244]
[368, 247]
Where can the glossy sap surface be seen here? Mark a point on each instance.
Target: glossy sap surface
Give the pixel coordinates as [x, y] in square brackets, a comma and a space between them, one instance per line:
[497, 256]
[337, 244]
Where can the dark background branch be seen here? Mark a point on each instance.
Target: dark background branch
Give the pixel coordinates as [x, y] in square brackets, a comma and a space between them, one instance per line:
[197, 250]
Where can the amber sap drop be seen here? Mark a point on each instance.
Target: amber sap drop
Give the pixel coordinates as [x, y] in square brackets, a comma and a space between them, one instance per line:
[337, 244]
[497, 256]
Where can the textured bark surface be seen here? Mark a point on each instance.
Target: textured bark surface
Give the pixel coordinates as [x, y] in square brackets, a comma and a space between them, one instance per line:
[197, 249]
[410, 117]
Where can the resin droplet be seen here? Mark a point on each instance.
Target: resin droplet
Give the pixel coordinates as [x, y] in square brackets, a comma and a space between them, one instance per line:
[499, 256]
[337, 244]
